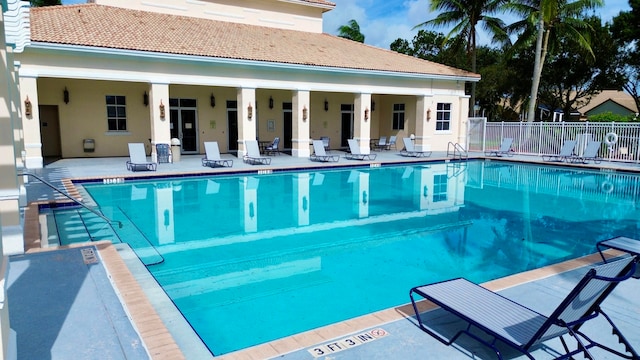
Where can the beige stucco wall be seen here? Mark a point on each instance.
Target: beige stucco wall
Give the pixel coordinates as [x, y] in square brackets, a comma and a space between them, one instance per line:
[85, 116]
[278, 14]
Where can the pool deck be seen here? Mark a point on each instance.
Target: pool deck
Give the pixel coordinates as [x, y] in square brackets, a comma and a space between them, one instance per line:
[125, 298]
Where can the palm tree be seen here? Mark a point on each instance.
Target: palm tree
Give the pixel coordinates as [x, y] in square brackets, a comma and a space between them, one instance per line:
[351, 31]
[547, 20]
[465, 15]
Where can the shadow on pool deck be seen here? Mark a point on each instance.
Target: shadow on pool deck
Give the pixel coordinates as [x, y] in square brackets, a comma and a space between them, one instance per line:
[62, 306]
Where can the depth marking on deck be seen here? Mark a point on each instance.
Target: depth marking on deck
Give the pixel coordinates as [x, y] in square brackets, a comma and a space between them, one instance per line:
[347, 343]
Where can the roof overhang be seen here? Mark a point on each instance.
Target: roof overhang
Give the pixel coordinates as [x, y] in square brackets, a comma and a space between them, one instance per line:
[325, 6]
[265, 65]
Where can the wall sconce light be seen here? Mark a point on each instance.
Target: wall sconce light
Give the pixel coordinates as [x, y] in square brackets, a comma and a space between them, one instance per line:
[270, 102]
[373, 106]
[428, 114]
[145, 99]
[424, 191]
[326, 105]
[305, 112]
[27, 106]
[366, 114]
[212, 100]
[65, 95]
[250, 111]
[161, 110]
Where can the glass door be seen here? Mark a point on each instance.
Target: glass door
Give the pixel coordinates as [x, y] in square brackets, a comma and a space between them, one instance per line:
[184, 124]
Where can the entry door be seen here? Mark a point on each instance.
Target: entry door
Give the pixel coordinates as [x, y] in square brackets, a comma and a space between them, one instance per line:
[184, 124]
[287, 117]
[50, 131]
[347, 123]
[232, 121]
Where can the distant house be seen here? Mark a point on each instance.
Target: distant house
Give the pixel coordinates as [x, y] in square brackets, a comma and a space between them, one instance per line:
[613, 101]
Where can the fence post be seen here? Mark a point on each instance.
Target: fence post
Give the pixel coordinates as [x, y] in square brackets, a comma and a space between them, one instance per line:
[540, 139]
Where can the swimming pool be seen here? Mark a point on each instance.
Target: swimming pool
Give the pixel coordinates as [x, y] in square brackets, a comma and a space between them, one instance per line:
[250, 259]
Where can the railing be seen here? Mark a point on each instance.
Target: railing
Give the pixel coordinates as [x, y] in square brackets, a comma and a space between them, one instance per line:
[545, 138]
[456, 151]
[76, 201]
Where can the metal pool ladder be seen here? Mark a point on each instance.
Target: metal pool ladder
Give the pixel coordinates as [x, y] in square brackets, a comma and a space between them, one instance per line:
[76, 201]
[456, 151]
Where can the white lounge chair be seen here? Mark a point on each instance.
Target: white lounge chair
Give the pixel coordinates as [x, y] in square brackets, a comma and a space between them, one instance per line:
[320, 155]
[590, 153]
[138, 159]
[382, 143]
[391, 142]
[409, 149]
[357, 153]
[212, 157]
[566, 152]
[253, 154]
[505, 148]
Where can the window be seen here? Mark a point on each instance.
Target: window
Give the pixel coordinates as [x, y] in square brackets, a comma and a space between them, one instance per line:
[439, 188]
[116, 113]
[443, 117]
[398, 116]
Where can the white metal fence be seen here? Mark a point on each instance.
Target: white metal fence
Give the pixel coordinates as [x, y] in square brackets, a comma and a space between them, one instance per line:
[544, 138]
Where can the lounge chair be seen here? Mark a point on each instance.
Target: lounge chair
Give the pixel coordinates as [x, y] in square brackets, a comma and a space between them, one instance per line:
[273, 148]
[325, 142]
[508, 322]
[391, 142]
[253, 154]
[164, 153]
[409, 149]
[505, 148]
[566, 152]
[138, 159]
[320, 155]
[590, 153]
[356, 153]
[382, 143]
[212, 156]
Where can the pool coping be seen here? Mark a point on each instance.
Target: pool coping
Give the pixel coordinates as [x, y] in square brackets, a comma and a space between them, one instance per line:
[158, 339]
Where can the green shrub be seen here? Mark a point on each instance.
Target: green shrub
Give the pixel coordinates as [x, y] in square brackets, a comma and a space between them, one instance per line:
[611, 117]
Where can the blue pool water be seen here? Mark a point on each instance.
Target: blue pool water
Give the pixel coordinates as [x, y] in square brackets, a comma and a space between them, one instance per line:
[250, 259]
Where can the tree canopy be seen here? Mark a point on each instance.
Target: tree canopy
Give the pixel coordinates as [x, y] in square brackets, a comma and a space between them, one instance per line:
[351, 31]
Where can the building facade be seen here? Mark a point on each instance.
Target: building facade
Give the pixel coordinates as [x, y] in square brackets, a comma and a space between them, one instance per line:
[108, 73]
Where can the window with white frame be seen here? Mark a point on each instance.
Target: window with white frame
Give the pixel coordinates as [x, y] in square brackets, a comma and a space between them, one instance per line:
[116, 113]
[440, 187]
[443, 117]
[398, 116]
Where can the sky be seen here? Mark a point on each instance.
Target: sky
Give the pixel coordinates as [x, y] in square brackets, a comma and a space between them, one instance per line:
[383, 21]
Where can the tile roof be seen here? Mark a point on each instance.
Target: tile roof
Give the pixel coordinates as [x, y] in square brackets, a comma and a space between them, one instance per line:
[117, 28]
[619, 97]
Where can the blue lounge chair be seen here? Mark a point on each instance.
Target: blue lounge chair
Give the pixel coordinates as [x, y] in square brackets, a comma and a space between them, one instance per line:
[138, 158]
[590, 153]
[409, 149]
[253, 154]
[164, 153]
[391, 142]
[325, 142]
[212, 156]
[320, 155]
[356, 153]
[505, 148]
[273, 148]
[508, 322]
[566, 152]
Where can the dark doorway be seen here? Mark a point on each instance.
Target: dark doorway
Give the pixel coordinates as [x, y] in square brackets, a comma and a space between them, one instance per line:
[346, 113]
[184, 124]
[287, 120]
[232, 120]
[50, 133]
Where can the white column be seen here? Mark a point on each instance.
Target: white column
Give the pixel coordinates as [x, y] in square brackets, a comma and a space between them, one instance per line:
[362, 121]
[31, 124]
[300, 124]
[423, 193]
[159, 117]
[424, 123]
[463, 121]
[246, 118]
